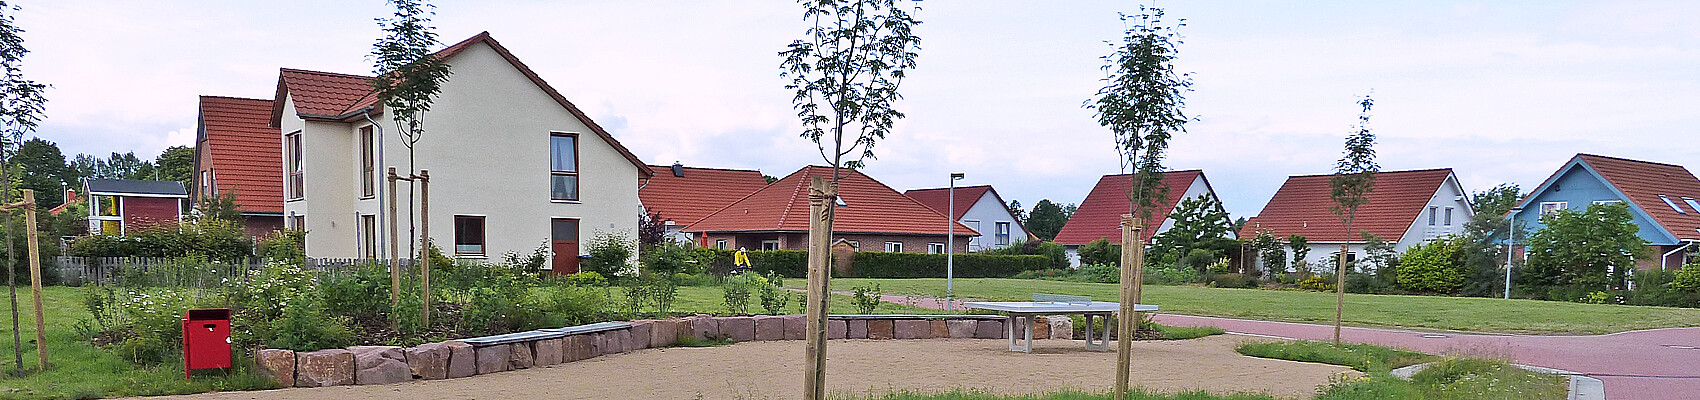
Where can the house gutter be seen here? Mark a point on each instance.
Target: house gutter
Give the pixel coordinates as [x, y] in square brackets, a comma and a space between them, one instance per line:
[382, 218]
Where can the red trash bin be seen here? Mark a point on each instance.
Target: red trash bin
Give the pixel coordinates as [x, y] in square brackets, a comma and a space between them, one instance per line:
[206, 339]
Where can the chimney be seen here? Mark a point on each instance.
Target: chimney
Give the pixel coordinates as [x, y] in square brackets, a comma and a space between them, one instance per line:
[678, 169]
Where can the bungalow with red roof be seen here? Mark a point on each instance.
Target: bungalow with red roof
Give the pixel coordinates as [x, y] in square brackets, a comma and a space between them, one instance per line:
[123, 206]
[681, 195]
[1099, 216]
[977, 207]
[237, 154]
[870, 217]
[1661, 197]
[513, 164]
[1405, 208]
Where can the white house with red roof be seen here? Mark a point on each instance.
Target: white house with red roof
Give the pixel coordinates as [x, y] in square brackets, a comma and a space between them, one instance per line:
[1661, 198]
[870, 217]
[680, 195]
[1099, 216]
[513, 164]
[979, 208]
[1404, 208]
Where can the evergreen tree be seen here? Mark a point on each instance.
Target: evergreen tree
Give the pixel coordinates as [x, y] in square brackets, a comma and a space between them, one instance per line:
[44, 170]
[1046, 220]
[177, 163]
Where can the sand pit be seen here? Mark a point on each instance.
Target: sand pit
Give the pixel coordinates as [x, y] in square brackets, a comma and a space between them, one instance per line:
[764, 370]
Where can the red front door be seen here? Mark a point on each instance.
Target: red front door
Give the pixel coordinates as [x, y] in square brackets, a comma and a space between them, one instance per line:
[563, 243]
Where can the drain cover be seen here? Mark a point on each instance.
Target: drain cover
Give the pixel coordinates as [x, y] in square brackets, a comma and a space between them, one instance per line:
[1434, 336]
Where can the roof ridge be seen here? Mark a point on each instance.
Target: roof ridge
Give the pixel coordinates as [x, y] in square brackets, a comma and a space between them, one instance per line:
[304, 71]
[947, 188]
[205, 96]
[709, 168]
[1630, 160]
[791, 201]
[1379, 172]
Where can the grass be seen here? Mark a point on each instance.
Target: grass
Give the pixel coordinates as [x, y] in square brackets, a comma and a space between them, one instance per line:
[1185, 332]
[1447, 379]
[1361, 357]
[1430, 312]
[711, 300]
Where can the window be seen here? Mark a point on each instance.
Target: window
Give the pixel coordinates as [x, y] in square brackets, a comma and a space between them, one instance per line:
[368, 167]
[1553, 206]
[894, 247]
[298, 222]
[935, 248]
[369, 236]
[855, 245]
[1672, 204]
[107, 217]
[973, 241]
[469, 235]
[206, 183]
[292, 155]
[1448, 220]
[1432, 210]
[1003, 233]
[563, 166]
[769, 245]
[1691, 203]
[720, 244]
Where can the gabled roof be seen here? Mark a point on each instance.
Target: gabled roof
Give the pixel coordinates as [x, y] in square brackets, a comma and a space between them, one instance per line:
[244, 151]
[699, 192]
[1302, 207]
[939, 199]
[1641, 183]
[342, 97]
[870, 207]
[130, 187]
[1100, 215]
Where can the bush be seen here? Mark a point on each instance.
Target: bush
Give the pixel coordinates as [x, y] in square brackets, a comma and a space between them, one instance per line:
[736, 291]
[1160, 275]
[668, 259]
[213, 238]
[362, 293]
[1050, 250]
[586, 278]
[919, 265]
[788, 263]
[1232, 281]
[773, 294]
[1318, 283]
[865, 298]
[305, 327]
[610, 255]
[1101, 251]
[1376, 283]
[1056, 274]
[1688, 278]
[1434, 267]
[288, 245]
[1101, 273]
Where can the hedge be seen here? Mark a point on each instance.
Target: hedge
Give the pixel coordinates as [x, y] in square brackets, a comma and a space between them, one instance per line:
[789, 263]
[920, 265]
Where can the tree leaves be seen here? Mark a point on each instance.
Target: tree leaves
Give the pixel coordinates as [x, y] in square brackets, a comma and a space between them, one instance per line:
[853, 61]
[1142, 102]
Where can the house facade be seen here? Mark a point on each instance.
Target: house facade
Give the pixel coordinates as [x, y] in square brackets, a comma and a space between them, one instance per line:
[120, 207]
[870, 216]
[1099, 215]
[1661, 198]
[236, 155]
[1404, 208]
[979, 208]
[680, 195]
[513, 165]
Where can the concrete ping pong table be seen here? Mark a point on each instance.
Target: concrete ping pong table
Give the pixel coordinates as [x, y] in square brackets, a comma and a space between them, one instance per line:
[1023, 313]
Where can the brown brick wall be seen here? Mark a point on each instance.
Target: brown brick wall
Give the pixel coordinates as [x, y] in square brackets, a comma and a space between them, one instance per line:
[143, 212]
[865, 242]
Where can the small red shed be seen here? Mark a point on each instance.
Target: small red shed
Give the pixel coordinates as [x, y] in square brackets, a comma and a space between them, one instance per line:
[121, 206]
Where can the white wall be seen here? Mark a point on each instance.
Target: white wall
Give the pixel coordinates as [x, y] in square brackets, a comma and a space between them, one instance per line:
[989, 211]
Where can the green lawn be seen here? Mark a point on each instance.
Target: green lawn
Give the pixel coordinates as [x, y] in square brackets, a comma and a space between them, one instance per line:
[1431, 312]
[711, 300]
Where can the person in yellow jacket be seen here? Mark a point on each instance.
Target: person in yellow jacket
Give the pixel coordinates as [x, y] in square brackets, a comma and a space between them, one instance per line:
[741, 259]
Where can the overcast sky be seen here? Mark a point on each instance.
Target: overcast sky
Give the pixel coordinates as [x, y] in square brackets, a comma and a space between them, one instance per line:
[1499, 91]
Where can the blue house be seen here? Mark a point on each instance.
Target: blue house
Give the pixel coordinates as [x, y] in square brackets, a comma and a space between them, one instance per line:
[1661, 197]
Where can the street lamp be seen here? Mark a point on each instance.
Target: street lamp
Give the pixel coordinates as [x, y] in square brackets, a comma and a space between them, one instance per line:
[1510, 235]
[950, 245]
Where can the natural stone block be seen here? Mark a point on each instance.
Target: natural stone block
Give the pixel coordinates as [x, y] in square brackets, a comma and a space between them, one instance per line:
[770, 327]
[856, 329]
[940, 329]
[985, 329]
[703, 327]
[493, 359]
[663, 333]
[277, 364]
[911, 329]
[641, 335]
[796, 326]
[1041, 328]
[329, 367]
[546, 352]
[880, 329]
[622, 340]
[521, 355]
[837, 329]
[598, 343]
[378, 365]
[428, 361]
[739, 329]
[1062, 327]
[463, 360]
[578, 347]
[960, 328]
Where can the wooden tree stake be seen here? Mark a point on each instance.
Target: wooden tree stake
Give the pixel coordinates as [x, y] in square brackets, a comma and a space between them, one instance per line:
[425, 250]
[395, 254]
[35, 279]
[1132, 278]
[821, 196]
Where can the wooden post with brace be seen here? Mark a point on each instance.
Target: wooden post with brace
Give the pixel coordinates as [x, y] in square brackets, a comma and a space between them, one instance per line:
[28, 205]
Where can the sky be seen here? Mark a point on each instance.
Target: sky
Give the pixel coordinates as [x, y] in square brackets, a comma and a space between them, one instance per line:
[1502, 92]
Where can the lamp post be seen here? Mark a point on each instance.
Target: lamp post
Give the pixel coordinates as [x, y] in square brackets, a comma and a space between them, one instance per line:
[1510, 235]
[950, 246]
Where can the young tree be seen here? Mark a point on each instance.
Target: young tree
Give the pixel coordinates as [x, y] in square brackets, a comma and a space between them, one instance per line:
[1354, 179]
[1196, 219]
[1046, 219]
[22, 103]
[1592, 249]
[1142, 103]
[408, 78]
[177, 163]
[1270, 252]
[845, 74]
[1301, 252]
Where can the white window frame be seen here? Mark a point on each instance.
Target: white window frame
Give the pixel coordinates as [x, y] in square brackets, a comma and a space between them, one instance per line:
[935, 248]
[1432, 211]
[1448, 220]
[1003, 230]
[973, 241]
[1608, 202]
[95, 218]
[294, 157]
[774, 244]
[1548, 207]
[720, 244]
[894, 247]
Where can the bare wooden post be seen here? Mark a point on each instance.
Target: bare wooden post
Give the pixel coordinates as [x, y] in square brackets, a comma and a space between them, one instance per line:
[35, 279]
[425, 250]
[1340, 292]
[395, 256]
[1133, 276]
[821, 195]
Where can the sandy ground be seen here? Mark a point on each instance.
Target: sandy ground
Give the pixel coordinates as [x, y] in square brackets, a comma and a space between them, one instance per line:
[773, 370]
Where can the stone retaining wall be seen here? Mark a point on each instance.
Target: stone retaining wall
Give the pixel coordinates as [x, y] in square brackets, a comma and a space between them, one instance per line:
[368, 365]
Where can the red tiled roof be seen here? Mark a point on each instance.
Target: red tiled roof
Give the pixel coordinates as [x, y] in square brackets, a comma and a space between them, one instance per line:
[1301, 207]
[939, 199]
[1644, 181]
[245, 151]
[1100, 215]
[871, 207]
[687, 199]
[325, 95]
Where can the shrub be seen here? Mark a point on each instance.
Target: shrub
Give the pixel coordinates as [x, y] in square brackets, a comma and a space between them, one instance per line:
[919, 265]
[1435, 267]
[1161, 275]
[586, 278]
[1102, 273]
[1380, 282]
[1100, 251]
[1688, 278]
[1319, 283]
[1232, 281]
[736, 291]
[214, 238]
[773, 295]
[1044, 274]
[1050, 250]
[361, 293]
[667, 259]
[865, 298]
[305, 326]
[609, 253]
[288, 245]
